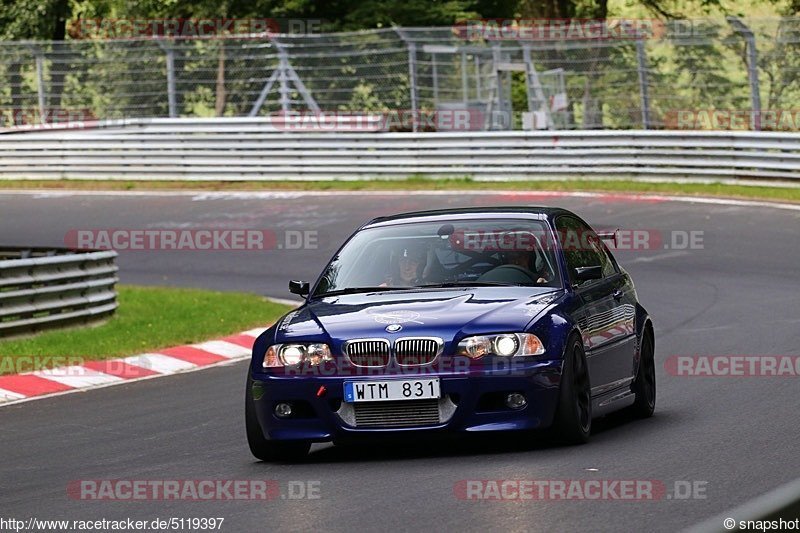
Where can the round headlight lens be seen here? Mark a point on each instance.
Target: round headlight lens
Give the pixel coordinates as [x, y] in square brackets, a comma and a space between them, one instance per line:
[317, 353]
[506, 345]
[293, 354]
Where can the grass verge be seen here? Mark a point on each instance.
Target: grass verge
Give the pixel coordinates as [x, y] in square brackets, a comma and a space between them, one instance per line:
[724, 190]
[148, 318]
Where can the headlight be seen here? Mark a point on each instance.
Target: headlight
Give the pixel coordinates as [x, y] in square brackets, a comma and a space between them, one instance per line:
[505, 345]
[279, 355]
[271, 358]
[292, 354]
[317, 353]
[475, 347]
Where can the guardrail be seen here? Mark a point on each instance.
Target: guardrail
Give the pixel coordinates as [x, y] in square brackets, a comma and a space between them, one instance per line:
[239, 125]
[764, 513]
[232, 149]
[42, 288]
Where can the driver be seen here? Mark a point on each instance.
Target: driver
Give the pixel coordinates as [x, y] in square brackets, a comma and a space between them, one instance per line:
[523, 259]
[408, 267]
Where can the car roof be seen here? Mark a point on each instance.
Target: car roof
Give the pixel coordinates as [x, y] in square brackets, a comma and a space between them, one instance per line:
[433, 215]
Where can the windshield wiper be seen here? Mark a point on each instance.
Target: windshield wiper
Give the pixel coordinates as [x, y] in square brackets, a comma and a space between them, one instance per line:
[356, 290]
[473, 284]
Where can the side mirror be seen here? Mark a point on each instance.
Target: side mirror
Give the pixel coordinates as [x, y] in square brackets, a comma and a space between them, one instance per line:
[587, 273]
[299, 287]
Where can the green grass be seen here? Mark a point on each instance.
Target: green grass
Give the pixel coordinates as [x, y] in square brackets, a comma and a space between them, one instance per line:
[785, 194]
[148, 318]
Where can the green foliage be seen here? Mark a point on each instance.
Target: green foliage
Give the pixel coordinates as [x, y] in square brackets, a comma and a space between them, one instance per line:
[363, 99]
[45, 19]
[151, 318]
[130, 78]
[426, 182]
[33, 19]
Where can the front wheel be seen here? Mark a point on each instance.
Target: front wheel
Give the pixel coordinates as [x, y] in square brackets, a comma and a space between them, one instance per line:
[573, 423]
[267, 450]
[644, 386]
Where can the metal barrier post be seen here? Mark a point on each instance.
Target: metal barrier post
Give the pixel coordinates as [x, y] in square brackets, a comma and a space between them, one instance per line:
[644, 95]
[412, 75]
[40, 86]
[40, 94]
[170, 66]
[752, 69]
[464, 86]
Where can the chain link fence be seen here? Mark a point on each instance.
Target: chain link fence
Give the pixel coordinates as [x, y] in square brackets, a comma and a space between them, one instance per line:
[698, 74]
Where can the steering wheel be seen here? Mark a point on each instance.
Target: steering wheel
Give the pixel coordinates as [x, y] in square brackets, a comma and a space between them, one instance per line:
[475, 258]
[506, 270]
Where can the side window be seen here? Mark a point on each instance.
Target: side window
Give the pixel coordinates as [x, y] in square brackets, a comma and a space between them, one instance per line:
[609, 268]
[581, 246]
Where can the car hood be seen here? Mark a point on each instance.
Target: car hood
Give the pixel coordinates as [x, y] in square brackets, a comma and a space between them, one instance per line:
[446, 313]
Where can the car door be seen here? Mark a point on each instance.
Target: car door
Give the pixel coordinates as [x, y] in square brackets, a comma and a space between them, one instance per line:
[604, 313]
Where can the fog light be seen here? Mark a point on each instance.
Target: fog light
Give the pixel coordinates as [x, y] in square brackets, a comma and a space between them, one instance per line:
[516, 400]
[283, 410]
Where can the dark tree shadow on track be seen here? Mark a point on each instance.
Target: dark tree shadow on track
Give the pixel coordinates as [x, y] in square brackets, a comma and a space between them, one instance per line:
[419, 448]
[616, 425]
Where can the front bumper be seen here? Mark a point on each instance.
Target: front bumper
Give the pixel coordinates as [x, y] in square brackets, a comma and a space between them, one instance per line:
[469, 403]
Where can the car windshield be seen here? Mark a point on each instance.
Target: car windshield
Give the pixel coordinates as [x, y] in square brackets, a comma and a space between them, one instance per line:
[452, 254]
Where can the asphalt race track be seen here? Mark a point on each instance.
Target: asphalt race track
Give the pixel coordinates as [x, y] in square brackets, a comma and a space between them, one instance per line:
[736, 437]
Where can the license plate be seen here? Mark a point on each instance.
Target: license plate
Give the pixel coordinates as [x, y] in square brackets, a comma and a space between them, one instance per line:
[375, 391]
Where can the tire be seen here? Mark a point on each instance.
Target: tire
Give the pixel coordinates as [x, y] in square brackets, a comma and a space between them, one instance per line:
[644, 386]
[266, 450]
[573, 422]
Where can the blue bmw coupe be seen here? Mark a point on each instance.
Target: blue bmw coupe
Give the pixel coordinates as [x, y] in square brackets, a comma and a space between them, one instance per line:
[463, 320]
